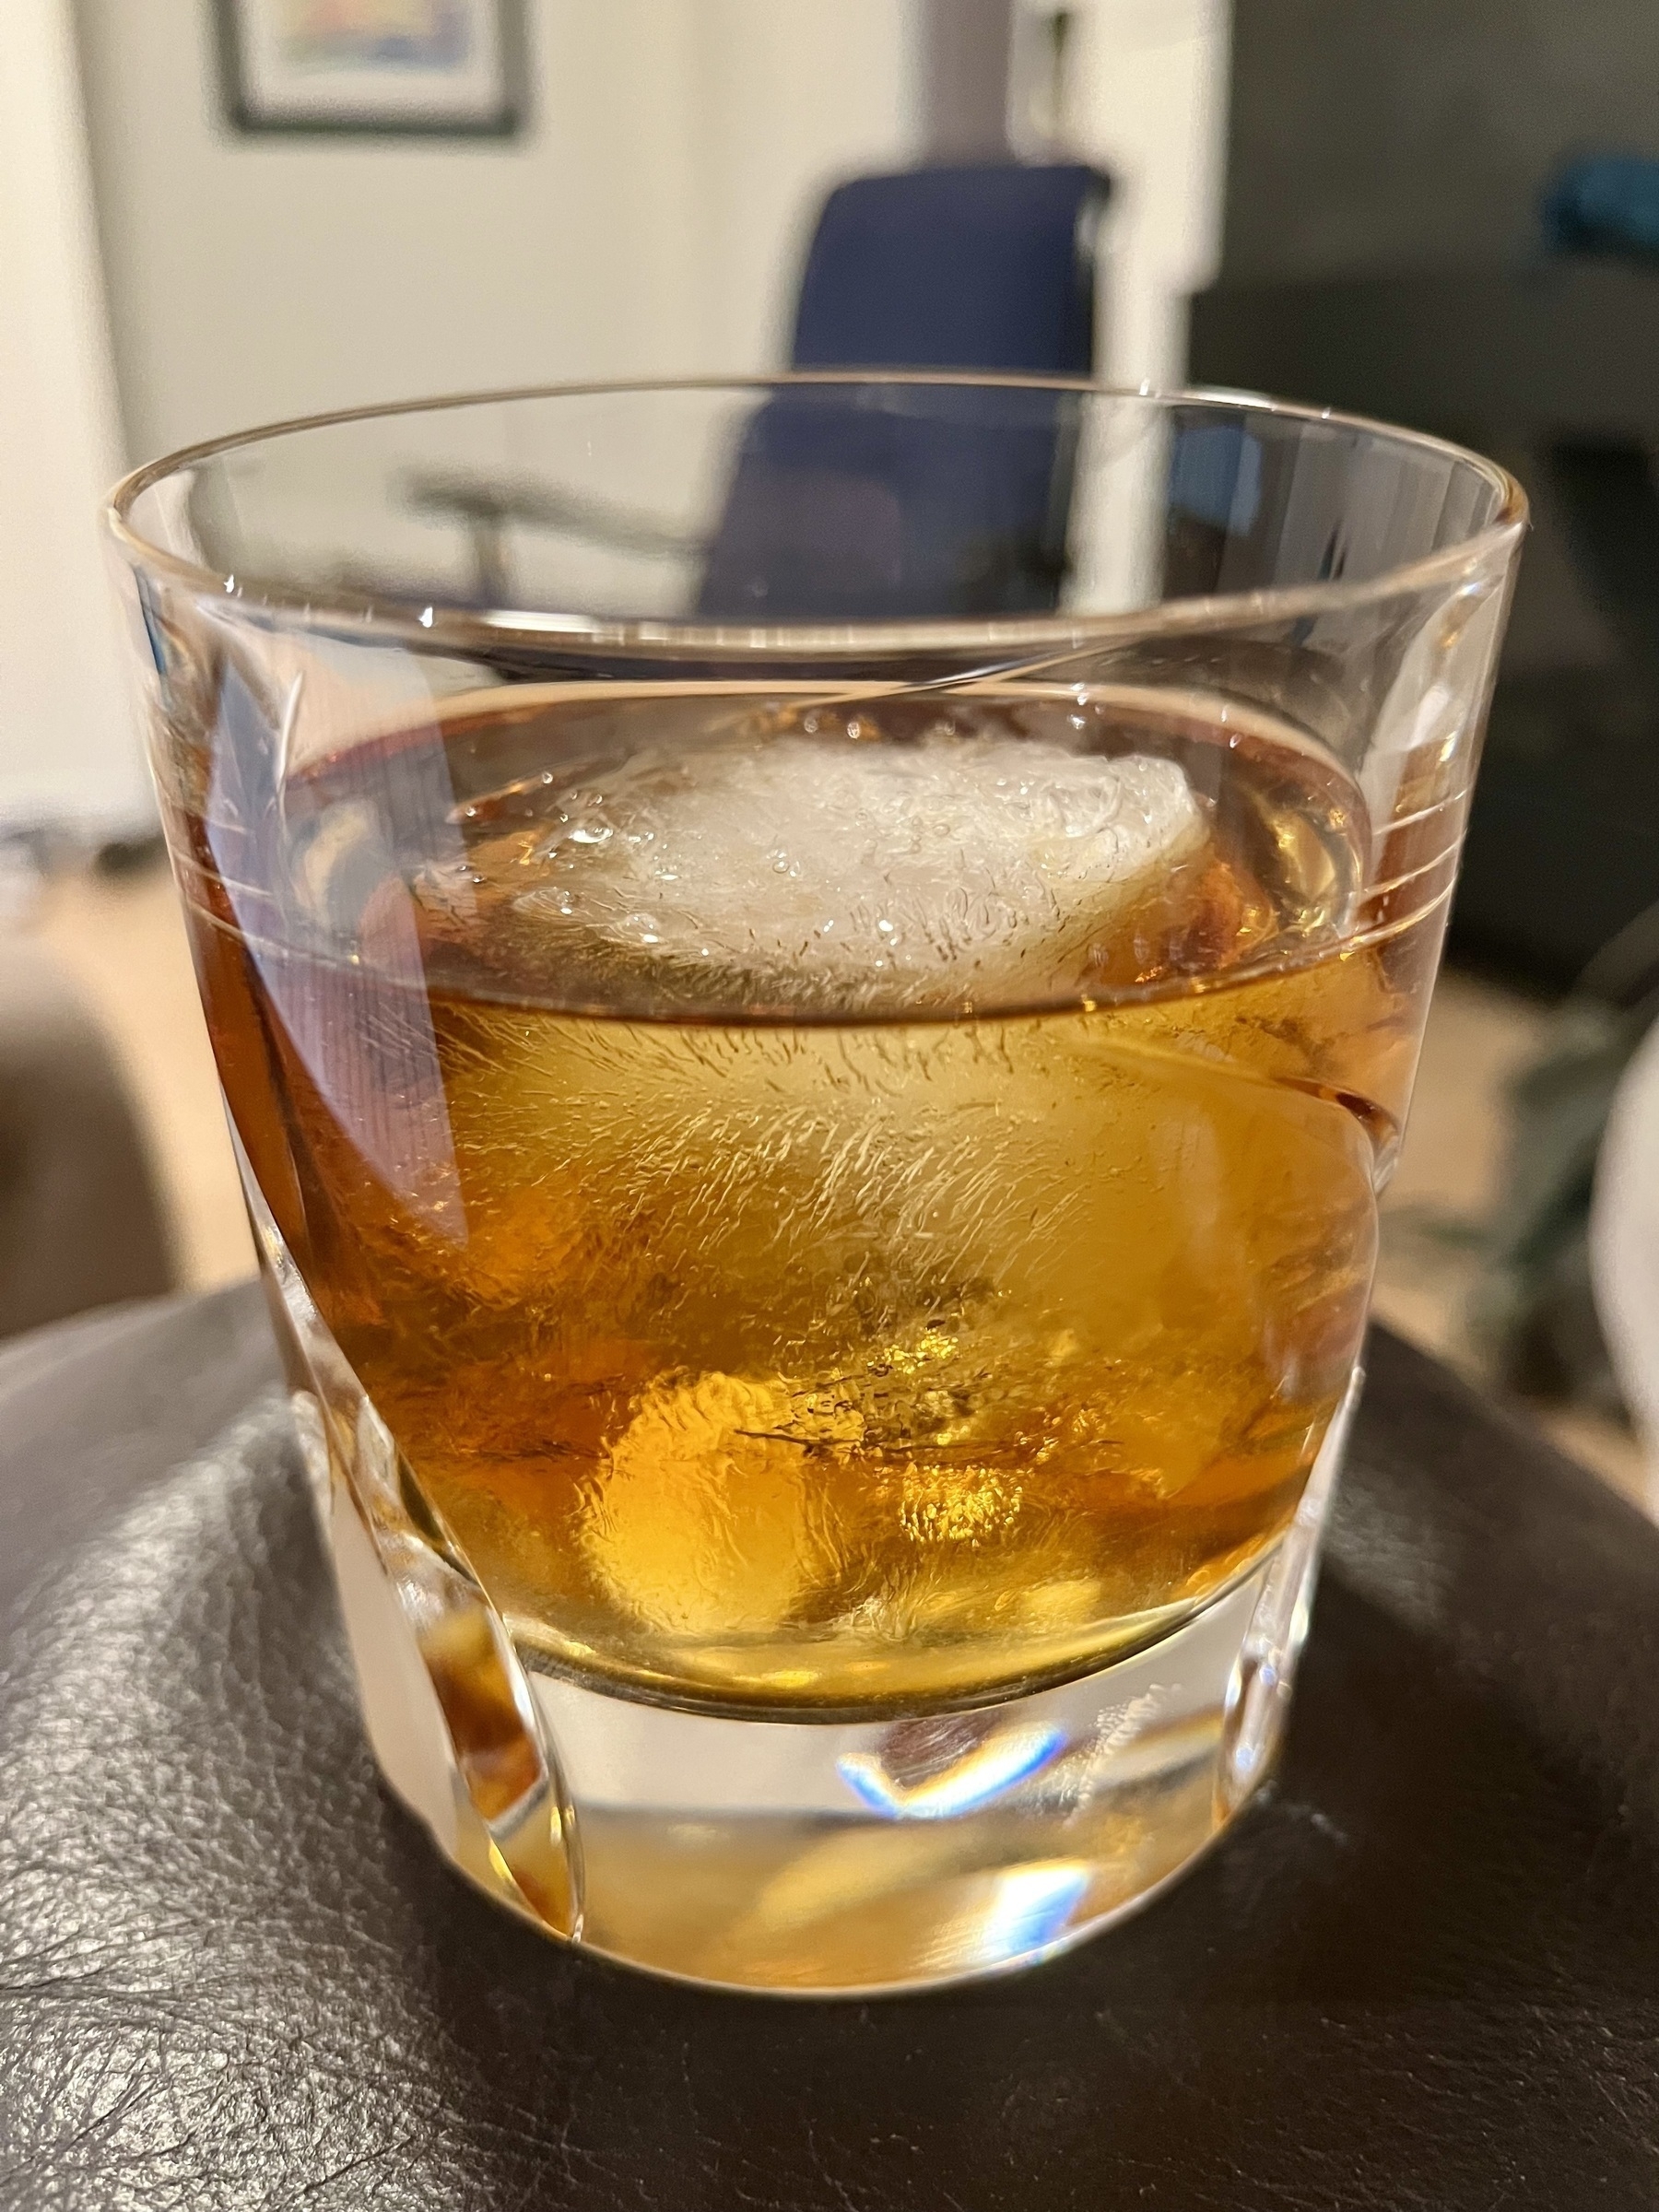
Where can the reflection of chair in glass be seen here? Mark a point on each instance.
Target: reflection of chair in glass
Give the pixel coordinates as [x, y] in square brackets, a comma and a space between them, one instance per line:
[986, 267]
[930, 502]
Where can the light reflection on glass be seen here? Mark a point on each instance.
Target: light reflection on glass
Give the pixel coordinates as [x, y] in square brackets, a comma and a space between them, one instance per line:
[1033, 1908]
[997, 1765]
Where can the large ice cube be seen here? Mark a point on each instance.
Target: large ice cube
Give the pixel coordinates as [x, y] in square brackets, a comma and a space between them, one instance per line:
[858, 875]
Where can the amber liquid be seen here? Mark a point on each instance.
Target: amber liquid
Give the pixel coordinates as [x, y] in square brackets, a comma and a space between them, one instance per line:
[826, 1362]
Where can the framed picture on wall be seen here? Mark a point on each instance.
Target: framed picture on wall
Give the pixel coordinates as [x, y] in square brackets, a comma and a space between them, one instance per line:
[438, 68]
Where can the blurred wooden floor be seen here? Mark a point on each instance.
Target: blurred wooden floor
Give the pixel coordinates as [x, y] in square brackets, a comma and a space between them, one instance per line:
[121, 940]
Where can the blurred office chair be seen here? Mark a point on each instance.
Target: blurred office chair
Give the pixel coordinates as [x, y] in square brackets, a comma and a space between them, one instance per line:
[848, 506]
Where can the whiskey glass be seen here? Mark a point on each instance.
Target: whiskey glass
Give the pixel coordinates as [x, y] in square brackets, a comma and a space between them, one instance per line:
[816, 982]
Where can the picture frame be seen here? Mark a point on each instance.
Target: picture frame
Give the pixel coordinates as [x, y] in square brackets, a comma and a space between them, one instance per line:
[407, 68]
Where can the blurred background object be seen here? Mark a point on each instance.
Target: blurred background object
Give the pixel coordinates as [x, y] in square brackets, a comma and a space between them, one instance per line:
[80, 1220]
[1443, 214]
[1624, 1245]
[1412, 233]
[1139, 88]
[69, 755]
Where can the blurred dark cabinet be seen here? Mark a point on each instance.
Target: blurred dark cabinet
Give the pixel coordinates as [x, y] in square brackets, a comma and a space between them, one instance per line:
[1555, 373]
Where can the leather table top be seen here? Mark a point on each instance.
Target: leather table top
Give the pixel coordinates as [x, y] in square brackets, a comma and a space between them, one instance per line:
[1422, 1971]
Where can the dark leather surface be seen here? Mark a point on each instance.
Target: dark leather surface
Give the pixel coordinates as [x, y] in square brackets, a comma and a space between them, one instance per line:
[1424, 1972]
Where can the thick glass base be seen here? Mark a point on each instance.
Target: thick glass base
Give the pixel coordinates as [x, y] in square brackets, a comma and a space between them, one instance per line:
[801, 1856]
[834, 1858]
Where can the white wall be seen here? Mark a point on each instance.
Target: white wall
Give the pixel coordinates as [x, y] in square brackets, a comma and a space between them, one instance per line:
[648, 221]
[67, 747]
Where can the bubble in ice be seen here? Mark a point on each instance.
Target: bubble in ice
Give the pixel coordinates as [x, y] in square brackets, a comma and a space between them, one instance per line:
[860, 874]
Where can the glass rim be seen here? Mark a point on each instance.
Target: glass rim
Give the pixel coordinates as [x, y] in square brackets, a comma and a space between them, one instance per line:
[464, 631]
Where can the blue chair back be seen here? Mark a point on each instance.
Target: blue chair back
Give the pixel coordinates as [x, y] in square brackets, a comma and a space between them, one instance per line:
[987, 267]
[890, 502]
